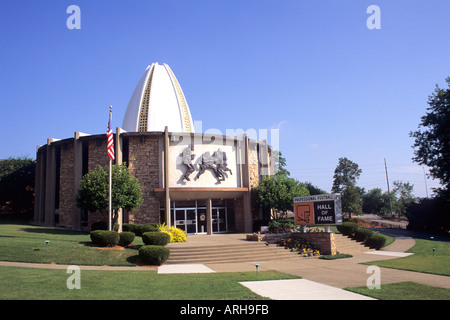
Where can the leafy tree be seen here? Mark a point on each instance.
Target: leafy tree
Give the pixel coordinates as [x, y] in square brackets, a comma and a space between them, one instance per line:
[351, 200]
[373, 201]
[313, 190]
[93, 194]
[344, 182]
[278, 192]
[17, 185]
[404, 191]
[345, 175]
[280, 164]
[432, 144]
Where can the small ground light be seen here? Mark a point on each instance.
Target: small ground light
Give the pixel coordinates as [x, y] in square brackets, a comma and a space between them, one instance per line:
[434, 249]
[257, 267]
[47, 242]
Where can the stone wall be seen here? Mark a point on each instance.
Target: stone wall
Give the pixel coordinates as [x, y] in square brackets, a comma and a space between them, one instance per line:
[253, 166]
[144, 165]
[325, 241]
[66, 184]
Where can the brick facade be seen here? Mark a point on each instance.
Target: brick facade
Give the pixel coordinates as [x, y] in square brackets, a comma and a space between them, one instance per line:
[144, 165]
[66, 185]
[144, 154]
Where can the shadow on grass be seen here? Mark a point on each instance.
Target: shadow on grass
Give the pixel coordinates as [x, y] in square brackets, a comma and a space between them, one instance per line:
[53, 231]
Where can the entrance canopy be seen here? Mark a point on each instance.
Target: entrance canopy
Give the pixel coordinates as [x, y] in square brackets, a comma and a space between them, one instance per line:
[202, 193]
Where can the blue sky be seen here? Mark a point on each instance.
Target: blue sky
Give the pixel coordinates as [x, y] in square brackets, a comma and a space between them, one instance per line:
[312, 69]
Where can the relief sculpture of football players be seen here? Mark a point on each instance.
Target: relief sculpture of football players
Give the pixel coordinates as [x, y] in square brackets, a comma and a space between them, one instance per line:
[187, 158]
[220, 159]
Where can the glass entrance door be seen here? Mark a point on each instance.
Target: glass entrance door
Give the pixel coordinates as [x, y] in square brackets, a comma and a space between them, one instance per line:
[193, 219]
[219, 220]
[186, 219]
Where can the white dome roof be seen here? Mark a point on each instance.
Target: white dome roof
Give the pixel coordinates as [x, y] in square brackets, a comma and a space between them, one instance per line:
[158, 101]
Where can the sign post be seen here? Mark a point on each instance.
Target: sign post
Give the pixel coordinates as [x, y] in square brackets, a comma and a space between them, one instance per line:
[322, 209]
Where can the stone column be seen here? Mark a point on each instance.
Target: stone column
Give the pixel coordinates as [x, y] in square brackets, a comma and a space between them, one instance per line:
[50, 186]
[39, 198]
[209, 225]
[246, 184]
[118, 159]
[166, 176]
[77, 176]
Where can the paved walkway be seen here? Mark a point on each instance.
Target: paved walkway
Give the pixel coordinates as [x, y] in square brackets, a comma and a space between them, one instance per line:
[319, 275]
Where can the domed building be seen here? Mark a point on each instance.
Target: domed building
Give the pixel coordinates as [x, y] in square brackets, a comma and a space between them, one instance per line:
[201, 183]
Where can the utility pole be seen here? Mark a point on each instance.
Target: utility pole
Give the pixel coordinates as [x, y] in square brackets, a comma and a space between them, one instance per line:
[425, 179]
[387, 181]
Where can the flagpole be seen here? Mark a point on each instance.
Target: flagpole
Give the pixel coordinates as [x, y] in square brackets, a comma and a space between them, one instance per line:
[110, 182]
[110, 196]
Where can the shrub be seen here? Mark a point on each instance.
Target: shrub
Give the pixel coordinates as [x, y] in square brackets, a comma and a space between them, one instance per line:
[105, 238]
[139, 229]
[376, 241]
[153, 255]
[347, 228]
[362, 234]
[177, 235]
[126, 238]
[156, 238]
[95, 236]
[336, 256]
[130, 227]
[148, 227]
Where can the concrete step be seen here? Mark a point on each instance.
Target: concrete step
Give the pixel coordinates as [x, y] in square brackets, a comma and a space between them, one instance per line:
[246, 251]
[228, 253]
[348, 245]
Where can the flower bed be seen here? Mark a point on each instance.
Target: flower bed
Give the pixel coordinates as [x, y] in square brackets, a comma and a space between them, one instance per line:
[301, 246]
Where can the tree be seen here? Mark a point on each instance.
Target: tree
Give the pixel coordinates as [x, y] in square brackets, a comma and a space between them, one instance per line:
[344, 182]
[280, 164]
[17, 185]
[404, 190]
[432, 144]
[278, 192]
[93, 194]
[345, 175]
[313, 190]
[372, 201]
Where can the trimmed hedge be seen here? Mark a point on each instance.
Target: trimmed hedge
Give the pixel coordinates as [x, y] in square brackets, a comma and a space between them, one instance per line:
[139, 229]
[156, 238]
[126, 238]
[105, 238]
[348, 228]
[376, 241]
[153, 255]
[362, 234]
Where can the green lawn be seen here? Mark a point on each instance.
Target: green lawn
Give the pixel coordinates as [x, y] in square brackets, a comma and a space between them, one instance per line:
[26, 243]
[423, 259]
[43, 284]
[404, 291]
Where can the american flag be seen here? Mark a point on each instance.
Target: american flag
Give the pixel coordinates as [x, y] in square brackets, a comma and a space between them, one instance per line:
[110, 136]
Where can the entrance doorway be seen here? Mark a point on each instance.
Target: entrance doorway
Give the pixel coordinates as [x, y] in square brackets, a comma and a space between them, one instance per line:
[192, 219]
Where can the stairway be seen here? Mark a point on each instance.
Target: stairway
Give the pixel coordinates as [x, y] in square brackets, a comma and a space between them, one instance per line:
[247, 252]
[347, 245]
[229, 250]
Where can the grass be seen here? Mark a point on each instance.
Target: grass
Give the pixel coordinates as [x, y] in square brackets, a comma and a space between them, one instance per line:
[404, 291]
[46, 284]
[26, 243]
[423, 259]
